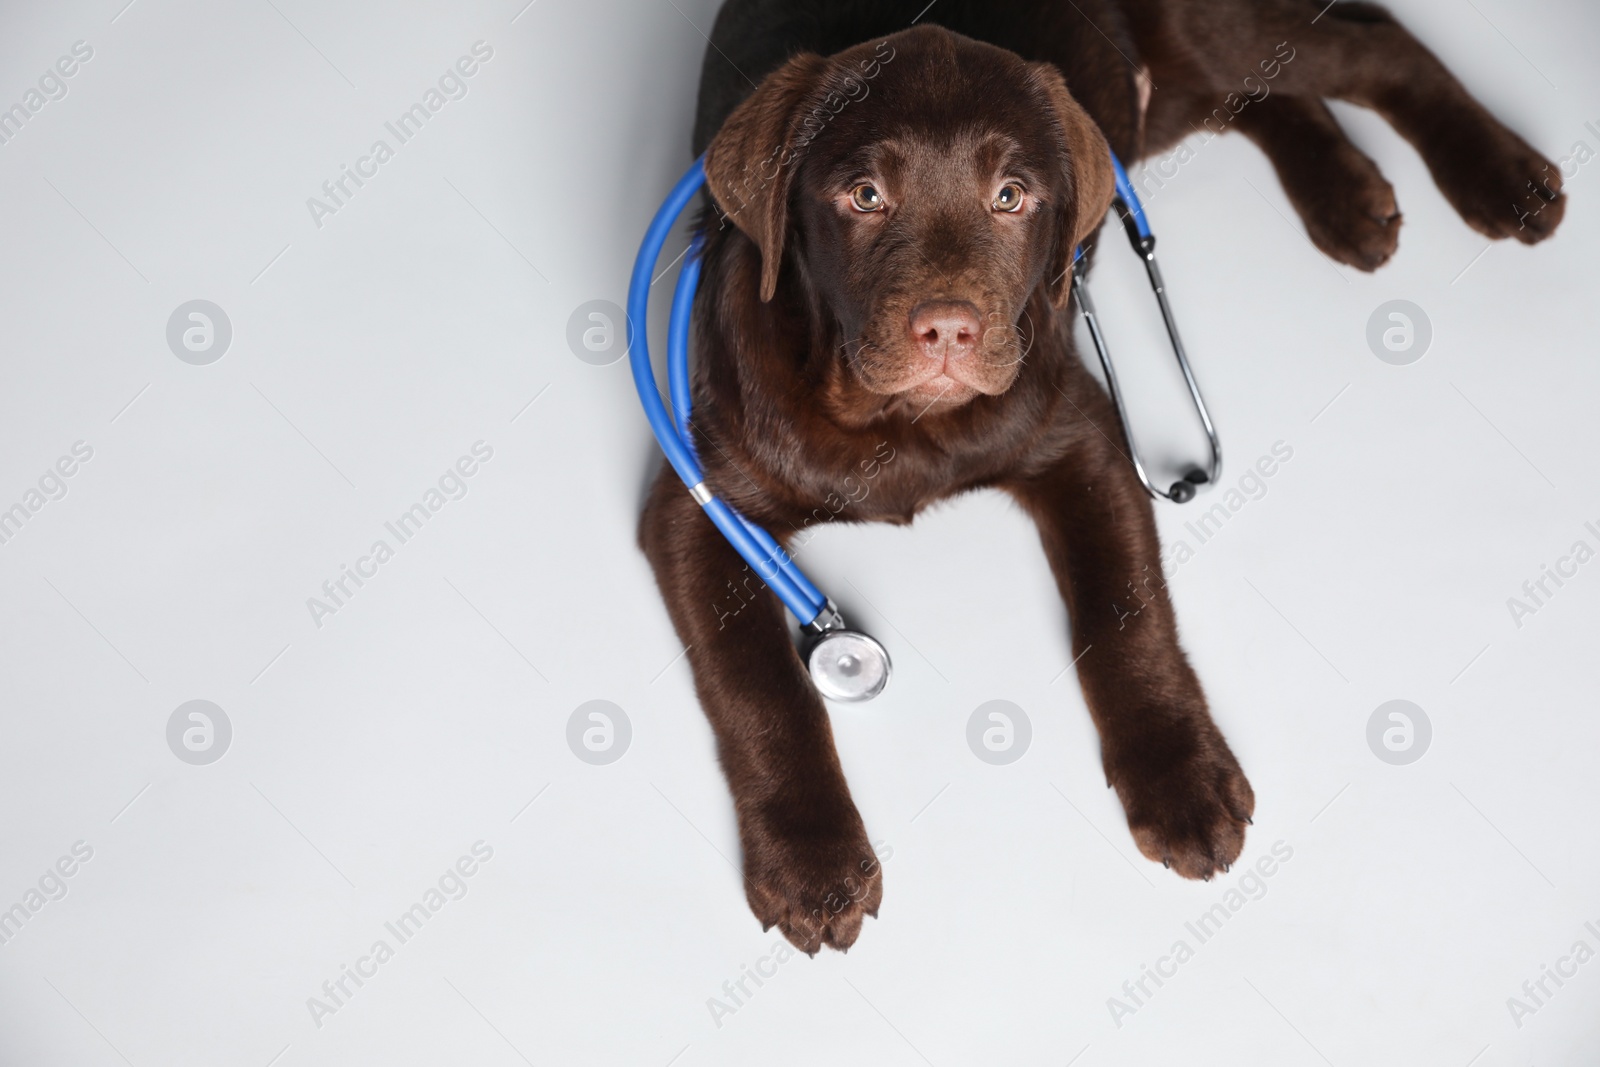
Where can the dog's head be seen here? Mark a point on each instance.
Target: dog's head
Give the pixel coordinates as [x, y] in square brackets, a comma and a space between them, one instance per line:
[924, 185]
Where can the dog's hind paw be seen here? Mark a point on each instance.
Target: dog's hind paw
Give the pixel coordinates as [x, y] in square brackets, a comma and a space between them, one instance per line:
[1503, 188]
[1360, 225]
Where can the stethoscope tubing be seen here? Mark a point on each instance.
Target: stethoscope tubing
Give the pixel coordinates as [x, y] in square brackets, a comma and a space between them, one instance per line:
[678, 387]
[757, 547]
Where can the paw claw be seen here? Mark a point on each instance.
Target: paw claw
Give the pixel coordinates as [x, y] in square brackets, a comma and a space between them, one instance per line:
[817, 888]
[1350, 211]
[1505, 189]
[1186, 799]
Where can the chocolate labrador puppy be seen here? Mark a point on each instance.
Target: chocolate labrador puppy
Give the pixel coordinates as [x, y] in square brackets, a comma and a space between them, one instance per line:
[884, 300]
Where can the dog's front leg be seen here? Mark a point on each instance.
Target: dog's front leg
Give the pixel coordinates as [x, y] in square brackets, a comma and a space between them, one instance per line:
[1186, 799]
[808, 865]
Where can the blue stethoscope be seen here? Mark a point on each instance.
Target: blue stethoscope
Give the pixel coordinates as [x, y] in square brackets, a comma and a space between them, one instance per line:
[846, 665]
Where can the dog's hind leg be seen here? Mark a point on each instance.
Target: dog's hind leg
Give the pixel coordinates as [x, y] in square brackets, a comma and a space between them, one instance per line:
[1358, 52]
[1348, 207]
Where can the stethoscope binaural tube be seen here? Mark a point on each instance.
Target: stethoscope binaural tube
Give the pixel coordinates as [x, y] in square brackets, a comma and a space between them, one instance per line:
[1143, 241]
[845, 665]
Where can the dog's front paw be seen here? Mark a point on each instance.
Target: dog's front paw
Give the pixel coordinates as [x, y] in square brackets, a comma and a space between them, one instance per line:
[1503, 188]
[815, 879]
[1186, 799]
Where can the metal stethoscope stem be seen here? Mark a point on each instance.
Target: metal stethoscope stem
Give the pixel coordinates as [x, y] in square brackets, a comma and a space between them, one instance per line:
[1144, 245]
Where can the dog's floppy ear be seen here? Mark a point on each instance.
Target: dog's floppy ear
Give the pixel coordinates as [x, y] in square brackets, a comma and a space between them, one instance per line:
[750, 163]
[1087, 160]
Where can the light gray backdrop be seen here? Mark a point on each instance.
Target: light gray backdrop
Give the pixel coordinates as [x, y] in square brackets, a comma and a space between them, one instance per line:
[184, 879]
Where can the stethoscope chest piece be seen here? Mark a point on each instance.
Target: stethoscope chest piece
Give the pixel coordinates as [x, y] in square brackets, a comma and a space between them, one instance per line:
[846, 665]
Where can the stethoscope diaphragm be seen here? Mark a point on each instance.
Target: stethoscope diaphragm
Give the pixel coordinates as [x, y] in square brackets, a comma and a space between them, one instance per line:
[846, 665]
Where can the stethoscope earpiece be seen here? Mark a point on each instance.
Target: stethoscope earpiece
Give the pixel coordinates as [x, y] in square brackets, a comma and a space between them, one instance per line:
[1182, 490]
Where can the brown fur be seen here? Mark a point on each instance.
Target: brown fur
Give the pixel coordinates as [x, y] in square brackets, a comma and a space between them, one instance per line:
[818, 327]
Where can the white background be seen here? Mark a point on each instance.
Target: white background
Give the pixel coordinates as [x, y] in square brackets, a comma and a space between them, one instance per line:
[371, 752]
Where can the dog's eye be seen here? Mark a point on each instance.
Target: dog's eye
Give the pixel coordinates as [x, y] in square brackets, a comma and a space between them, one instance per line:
[1009, 198]
[866, 198]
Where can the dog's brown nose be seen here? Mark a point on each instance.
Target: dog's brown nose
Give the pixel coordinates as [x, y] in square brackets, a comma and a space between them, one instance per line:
[945, 329]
